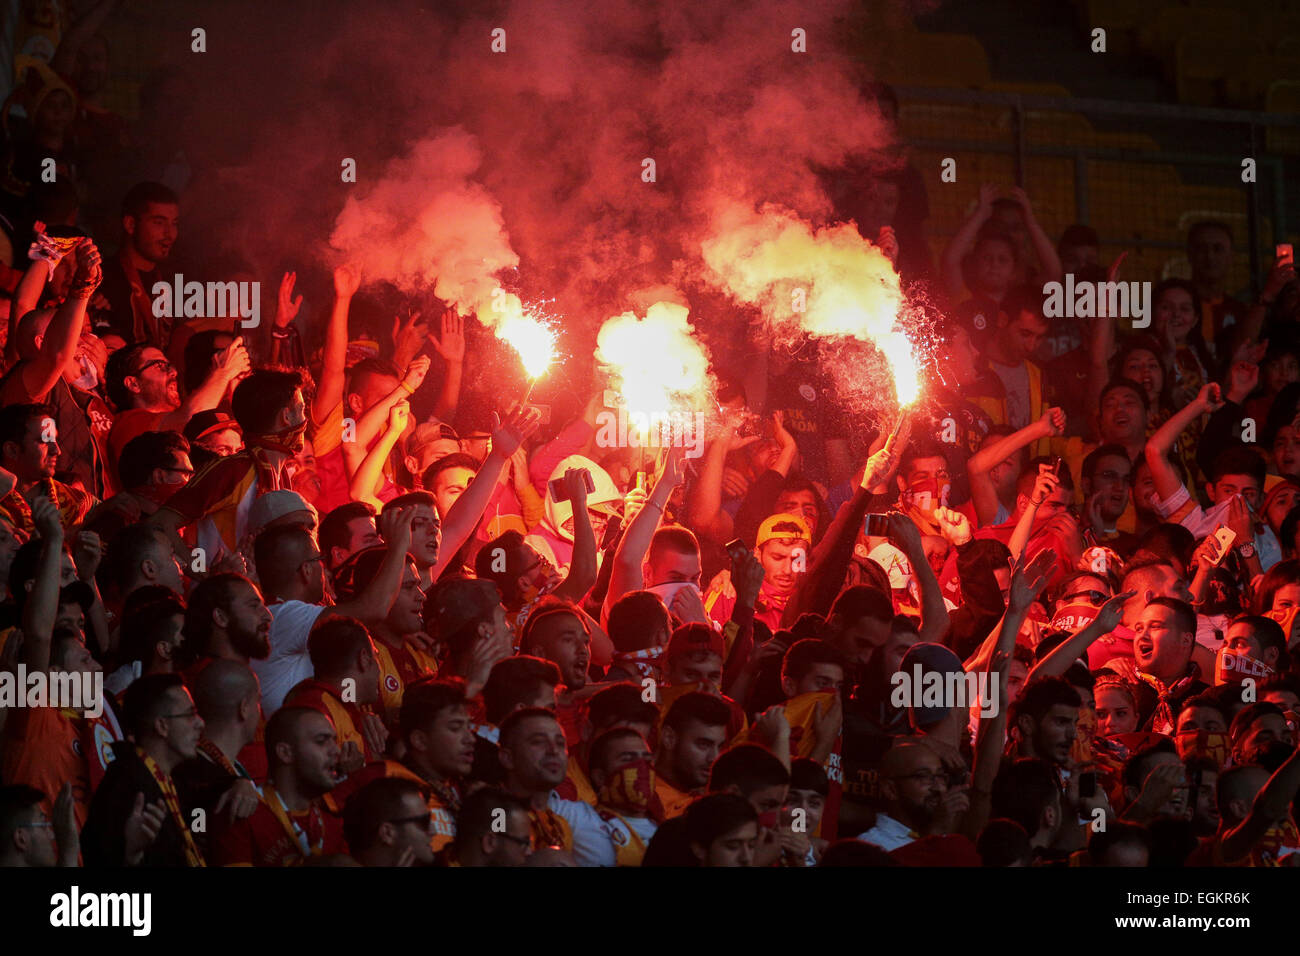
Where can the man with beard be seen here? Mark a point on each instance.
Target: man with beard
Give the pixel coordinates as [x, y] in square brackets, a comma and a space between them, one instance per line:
[150, 216]
[693, 734]
[783, 548]
[290, 824]
[387, 824]
[292, 574]
[1255, 827]
[269, 407]
[135, 818]
[400, 643]
[1044, 717]
[482, 839]
[917, 801]
[226, 620]
[144, 387]
[556, 631]
[525, 577]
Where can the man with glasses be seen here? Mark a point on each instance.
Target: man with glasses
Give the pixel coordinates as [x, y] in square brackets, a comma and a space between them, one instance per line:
[135, 818]
[387, 823]
[27, 835]
[152, 467]
[144, 387]
[913, 788]
[492, 829]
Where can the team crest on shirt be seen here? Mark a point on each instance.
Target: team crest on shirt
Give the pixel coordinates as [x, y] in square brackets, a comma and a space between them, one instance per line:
[391, 684]
[808, 392]
[104, 744]
[980, 322]
[617, 836]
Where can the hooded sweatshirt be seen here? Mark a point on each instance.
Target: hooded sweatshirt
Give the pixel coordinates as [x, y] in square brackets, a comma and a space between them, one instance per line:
[551, 538]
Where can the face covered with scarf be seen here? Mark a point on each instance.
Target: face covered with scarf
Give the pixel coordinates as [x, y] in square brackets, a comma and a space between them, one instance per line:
[926, 486]
[291, 436]
[622, 770]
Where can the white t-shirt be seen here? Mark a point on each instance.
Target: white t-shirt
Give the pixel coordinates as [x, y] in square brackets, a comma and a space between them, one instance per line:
[595, 839]
[289, 663]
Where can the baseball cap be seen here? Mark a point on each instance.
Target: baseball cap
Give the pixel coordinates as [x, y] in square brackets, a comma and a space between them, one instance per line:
[456, 602]
[275, 504]
[695, 637]
[207, 423]
[767, 530]
[931, 658]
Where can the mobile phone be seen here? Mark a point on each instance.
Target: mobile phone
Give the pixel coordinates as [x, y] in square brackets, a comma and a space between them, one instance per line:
[1285, 253]
[544, 411]
[1057, 462]
[1225, 536]
[876, 526]
[560, 493]
[1087, 784]
[640, 481]
[734, 547]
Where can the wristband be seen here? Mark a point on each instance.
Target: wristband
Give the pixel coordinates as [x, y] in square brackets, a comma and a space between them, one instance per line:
[409, 390]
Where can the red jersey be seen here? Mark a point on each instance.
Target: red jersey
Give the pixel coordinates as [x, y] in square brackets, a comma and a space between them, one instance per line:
[276, 836]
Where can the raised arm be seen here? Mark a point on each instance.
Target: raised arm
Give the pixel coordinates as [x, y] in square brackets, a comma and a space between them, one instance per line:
[377, 599]
[1044, 248]
[466, 513]
[1044, 486]
[904, 533]
[1050, 425]
[228, 365]
[1028, 580]
[964, 239]
[451, 346]
[333, 372]
[1159, 445]
[632, 548]
[582, 569]
[42, 605]
[369, 475]
[704, 503]
[64, 331]
[1272, 804]
[988, 748]
[373, 418]
[1070, 650]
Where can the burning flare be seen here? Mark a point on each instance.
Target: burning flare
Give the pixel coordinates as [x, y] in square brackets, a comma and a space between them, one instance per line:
[658, 365]
[830, 281]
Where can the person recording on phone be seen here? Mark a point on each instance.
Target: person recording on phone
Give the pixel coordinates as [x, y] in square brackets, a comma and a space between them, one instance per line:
[1235, 488]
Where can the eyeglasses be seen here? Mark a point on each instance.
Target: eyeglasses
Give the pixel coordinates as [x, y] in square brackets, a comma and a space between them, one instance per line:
[519, 841]
[188, 715]
[1115, 476]
[1093, 597]
[39, 824]
[165, 365]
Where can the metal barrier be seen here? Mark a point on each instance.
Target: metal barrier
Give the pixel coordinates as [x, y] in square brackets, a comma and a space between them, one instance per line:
[1138, 173]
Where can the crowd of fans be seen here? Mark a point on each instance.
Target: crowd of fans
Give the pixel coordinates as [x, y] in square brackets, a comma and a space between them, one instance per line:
[332, 631]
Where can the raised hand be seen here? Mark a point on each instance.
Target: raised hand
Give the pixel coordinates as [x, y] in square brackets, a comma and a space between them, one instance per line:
[347, 279]
[415, 373]
[1112, 612]
[233, 362]
[87, 554]
[89, 273]
[451, 343]
[1053, 422]
[286, 306]
[46, 518]
[395, 527]
[518, 426]
[954, 526]
[142, 827]
[1028, 579]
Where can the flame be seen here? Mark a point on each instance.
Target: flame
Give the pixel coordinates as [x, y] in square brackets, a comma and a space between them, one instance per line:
[657, 363]
[532, 339]
[830, 282]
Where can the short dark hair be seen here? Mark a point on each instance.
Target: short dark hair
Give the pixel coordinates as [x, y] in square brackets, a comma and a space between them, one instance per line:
[121, 366]
[478, 813]
[14, 420]
[715, 815]
[697, 706]
[374, 805]
[808, 774]
[271, 551]
[675, 538]
[446, 462]
[603, 746]
[1249, 715]
[510, 545]
[635, 619]
[410, 499]
[861, 601]
[1169, 540]
[1037, 697]
[1184, 613]
[146, 452]
[334, 643]
[1128, 383]
[1093, 459]
[424, 700]
[282, 726]
[802, 655]
[1023, 789]
[1003, 842]
[1268, 633]
[333, 530]
[514, 680]
[144, 702]
[17, 800]
[213, 592]
[1238, 460]
[137, 199]
[1138, 765]
[258, 400]
[127, 548]
[747, 768]
[145, 625]
[511, 724]
[620, 703]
